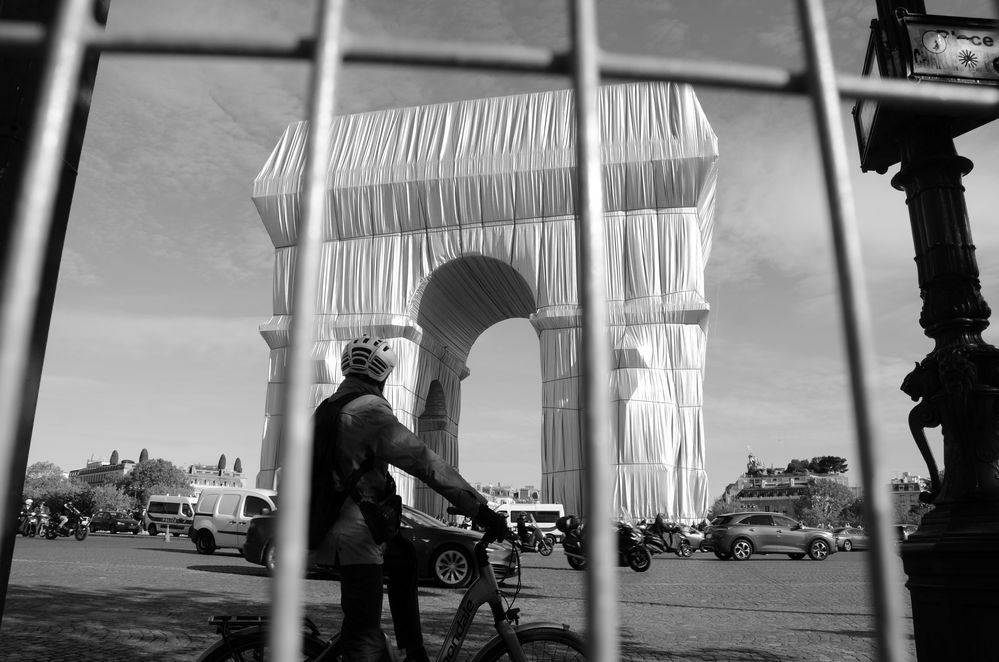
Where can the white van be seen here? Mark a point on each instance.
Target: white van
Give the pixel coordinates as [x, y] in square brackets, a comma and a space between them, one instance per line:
[168, 512]
[222, 516]
[544, 515]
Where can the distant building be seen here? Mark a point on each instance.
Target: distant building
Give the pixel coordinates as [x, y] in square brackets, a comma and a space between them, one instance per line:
[773, 491]
[103, 472]
[507, 494]
[107, 472]
[209, 475]
[904, 492]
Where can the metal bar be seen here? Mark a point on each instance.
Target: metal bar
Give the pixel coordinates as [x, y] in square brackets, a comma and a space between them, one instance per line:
[32, 222]
[296, 438]
[883, 564]
[509, 58]
[591, 261]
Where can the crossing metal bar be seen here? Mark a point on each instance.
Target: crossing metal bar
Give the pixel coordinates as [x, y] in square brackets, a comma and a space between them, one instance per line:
[296, 433]
[591, 265]
[883, 564]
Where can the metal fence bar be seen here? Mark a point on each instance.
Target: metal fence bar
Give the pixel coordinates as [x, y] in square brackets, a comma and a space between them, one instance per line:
[591, 264]
[24, 255]
[296, 432]
[882, 562]
[509, 58]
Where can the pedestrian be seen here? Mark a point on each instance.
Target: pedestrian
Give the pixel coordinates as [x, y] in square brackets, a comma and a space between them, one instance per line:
[367, 428]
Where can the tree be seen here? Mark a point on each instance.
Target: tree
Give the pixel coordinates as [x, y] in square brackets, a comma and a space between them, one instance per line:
[221, 463]
[143, 456]
[824, 503]
[154, 477]
[797, 467]
[723, 507]
[114, 458]
[827, 464]
[238, 466]
[44, 481]
[109, 497]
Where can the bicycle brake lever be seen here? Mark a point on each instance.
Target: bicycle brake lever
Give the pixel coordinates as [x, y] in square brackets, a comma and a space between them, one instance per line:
[513, 615]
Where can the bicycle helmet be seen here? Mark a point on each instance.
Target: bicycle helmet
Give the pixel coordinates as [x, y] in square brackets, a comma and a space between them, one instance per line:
[369, 357]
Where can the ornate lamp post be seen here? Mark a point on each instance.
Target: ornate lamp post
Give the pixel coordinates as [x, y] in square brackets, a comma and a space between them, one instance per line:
[951, 561]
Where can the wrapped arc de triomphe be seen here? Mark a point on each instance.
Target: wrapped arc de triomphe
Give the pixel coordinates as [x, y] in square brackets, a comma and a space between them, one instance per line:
[443, 220]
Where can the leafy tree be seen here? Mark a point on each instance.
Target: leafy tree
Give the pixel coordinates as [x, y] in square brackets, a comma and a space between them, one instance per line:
[854, 513]
[155, 477]
[797, 467]
[44, 481]
[109, 497]
[912, 514]
[221, 463]
[238, 466]
[827, 464]
[143, 456]
[824, 503]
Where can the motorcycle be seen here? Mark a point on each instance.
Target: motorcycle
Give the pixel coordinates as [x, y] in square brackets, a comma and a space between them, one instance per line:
[29, 524]
[672, 541]
[631, 548]
[533, 541]
[77, 526]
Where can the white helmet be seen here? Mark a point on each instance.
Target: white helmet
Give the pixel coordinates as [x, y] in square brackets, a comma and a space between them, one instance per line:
[29, 501]
[371, 357]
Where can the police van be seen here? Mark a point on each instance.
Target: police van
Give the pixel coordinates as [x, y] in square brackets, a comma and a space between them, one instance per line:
[165, 512]
[544, 515]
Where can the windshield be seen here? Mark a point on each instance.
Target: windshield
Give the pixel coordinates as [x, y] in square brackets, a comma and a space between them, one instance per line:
[418, 517]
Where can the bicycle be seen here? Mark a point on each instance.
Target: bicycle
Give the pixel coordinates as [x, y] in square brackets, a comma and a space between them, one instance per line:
[246, 638]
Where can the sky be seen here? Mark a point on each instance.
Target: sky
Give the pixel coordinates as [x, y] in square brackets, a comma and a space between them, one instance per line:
[167, 269]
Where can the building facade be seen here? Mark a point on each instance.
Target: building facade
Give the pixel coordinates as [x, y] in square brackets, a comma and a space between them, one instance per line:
[101, 472]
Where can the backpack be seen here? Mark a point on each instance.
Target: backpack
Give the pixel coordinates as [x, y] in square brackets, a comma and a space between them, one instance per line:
[325, 500]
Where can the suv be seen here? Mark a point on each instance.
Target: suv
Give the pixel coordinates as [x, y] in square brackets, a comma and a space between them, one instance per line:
[740, 535]
[222, 516]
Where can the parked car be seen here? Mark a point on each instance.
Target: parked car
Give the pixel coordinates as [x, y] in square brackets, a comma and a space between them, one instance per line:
[849, 538]
[693, 536]
[443, 553]
[740, 535]
[114, 521]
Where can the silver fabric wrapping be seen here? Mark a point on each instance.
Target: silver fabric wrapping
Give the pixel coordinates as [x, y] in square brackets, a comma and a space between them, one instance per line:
[446, 219]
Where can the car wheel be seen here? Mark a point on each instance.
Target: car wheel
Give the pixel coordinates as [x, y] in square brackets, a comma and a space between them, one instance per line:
[152, 530]
[796, 557]
[818, 550]
[742, 549]
[135, 532]
[268, 560]
[113, 529]
[452, 567]
[722, 556]
[847, 546]
[576, 564]
[204, 542]
[93, 529]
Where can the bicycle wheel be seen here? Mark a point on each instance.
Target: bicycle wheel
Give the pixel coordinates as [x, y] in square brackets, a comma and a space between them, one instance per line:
[540, 644]
[253, 646]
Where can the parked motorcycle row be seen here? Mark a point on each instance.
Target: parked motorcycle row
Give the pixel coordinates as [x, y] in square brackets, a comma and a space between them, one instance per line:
[32, 523]
[635, 544]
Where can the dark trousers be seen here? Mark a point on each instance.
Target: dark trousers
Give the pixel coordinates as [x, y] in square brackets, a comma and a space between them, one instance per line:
[361, 600]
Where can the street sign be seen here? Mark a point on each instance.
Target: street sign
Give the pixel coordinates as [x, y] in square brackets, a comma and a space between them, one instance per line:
[953, 49]
[942, 49]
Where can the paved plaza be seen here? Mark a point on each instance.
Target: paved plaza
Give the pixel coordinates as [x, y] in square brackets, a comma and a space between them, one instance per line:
[142, 598]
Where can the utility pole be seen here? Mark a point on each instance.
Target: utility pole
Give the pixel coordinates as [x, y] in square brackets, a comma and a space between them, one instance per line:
[950, 561]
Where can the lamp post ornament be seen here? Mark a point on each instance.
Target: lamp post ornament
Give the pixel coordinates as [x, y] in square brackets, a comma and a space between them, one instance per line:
[953, 577]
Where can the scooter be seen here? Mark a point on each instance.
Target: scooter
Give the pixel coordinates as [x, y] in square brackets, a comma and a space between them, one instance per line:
[535, 542]
[631, 548]
[673, 540]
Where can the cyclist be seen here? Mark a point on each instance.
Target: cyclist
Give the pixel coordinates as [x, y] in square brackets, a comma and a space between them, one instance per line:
[368, 428]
